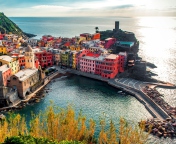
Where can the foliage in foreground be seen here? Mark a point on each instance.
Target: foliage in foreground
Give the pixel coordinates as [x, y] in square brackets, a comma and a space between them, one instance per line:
[32, 140]
[52, 127]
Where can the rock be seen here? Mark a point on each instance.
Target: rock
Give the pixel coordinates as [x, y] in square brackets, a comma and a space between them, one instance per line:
[37, 100]
[159, 134]
[168, 119]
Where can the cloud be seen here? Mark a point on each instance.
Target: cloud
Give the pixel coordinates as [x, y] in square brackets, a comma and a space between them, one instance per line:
[123, 6]
[53, 7]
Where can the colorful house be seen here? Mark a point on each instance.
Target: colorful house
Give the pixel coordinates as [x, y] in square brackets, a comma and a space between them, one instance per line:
[3, 49]
[122, 61]
[29, 57]
[33, 42]
[87, 64]
[12, 62]
[57, 58]
[5, 73]
[79, 55]
[88, 36]
[21, 59]
[75, 48]
[96, 36]
[65, 58]
[15, 65]
[110, 66]
[45, 58]
[109, 42]
[104, 65]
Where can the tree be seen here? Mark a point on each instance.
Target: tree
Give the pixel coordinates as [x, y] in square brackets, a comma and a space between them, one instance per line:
[96, 29]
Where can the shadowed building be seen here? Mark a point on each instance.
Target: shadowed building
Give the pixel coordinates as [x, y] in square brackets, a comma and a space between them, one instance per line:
[5, 73]
[23, 81]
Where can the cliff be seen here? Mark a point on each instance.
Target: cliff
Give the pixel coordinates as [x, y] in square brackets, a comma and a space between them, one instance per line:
[7, 26]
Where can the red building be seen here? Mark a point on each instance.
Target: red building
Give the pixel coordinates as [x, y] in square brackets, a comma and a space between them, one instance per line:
[96, 36]
[21, 61]
[122, 61]
[107, 67]
[109, 42]
[1, 36]
[37, 63]
[47, 38]
[44, 58]
[67, 44]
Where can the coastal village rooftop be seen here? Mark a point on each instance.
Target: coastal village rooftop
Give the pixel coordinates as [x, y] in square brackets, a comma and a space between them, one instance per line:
[24, 74]
[6, 58]
[125, 44]
[4, 68]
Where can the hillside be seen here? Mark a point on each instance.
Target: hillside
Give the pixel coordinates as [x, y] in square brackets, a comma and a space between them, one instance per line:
[6, 26]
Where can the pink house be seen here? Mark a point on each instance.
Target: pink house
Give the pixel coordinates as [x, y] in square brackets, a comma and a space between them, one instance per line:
[109, 42]
[87, 64]
[79, 55]
[5, 73]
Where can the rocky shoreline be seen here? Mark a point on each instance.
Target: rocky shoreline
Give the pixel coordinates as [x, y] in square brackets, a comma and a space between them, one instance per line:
[166, 128]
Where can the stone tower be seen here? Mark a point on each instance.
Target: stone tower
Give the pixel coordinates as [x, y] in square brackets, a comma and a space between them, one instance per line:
[116, 25]
[29, 57]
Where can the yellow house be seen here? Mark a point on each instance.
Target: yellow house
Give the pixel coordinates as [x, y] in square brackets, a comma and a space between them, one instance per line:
[3, 50]
[80, 39]
[12, 62]
[75, 48]
[49, 44]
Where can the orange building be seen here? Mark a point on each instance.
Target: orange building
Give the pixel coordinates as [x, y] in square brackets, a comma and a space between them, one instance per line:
[96, 36]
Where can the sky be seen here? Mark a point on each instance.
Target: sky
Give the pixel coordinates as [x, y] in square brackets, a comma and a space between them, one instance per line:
[62, 8]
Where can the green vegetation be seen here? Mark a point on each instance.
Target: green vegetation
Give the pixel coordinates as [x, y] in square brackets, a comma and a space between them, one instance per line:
[8, 26]
[64, 128]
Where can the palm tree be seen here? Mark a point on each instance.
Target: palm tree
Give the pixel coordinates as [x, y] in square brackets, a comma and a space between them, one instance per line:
[96, 29]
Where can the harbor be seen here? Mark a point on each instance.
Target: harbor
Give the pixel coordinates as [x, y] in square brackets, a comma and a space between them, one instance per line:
[112, 60]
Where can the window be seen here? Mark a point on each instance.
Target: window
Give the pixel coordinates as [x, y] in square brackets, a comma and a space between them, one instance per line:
[14, 78]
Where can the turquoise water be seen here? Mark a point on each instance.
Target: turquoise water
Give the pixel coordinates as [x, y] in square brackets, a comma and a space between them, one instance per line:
[95, 99]
[157, 36]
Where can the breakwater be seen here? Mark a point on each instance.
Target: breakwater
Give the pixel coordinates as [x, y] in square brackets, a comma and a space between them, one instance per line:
[155, 110]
